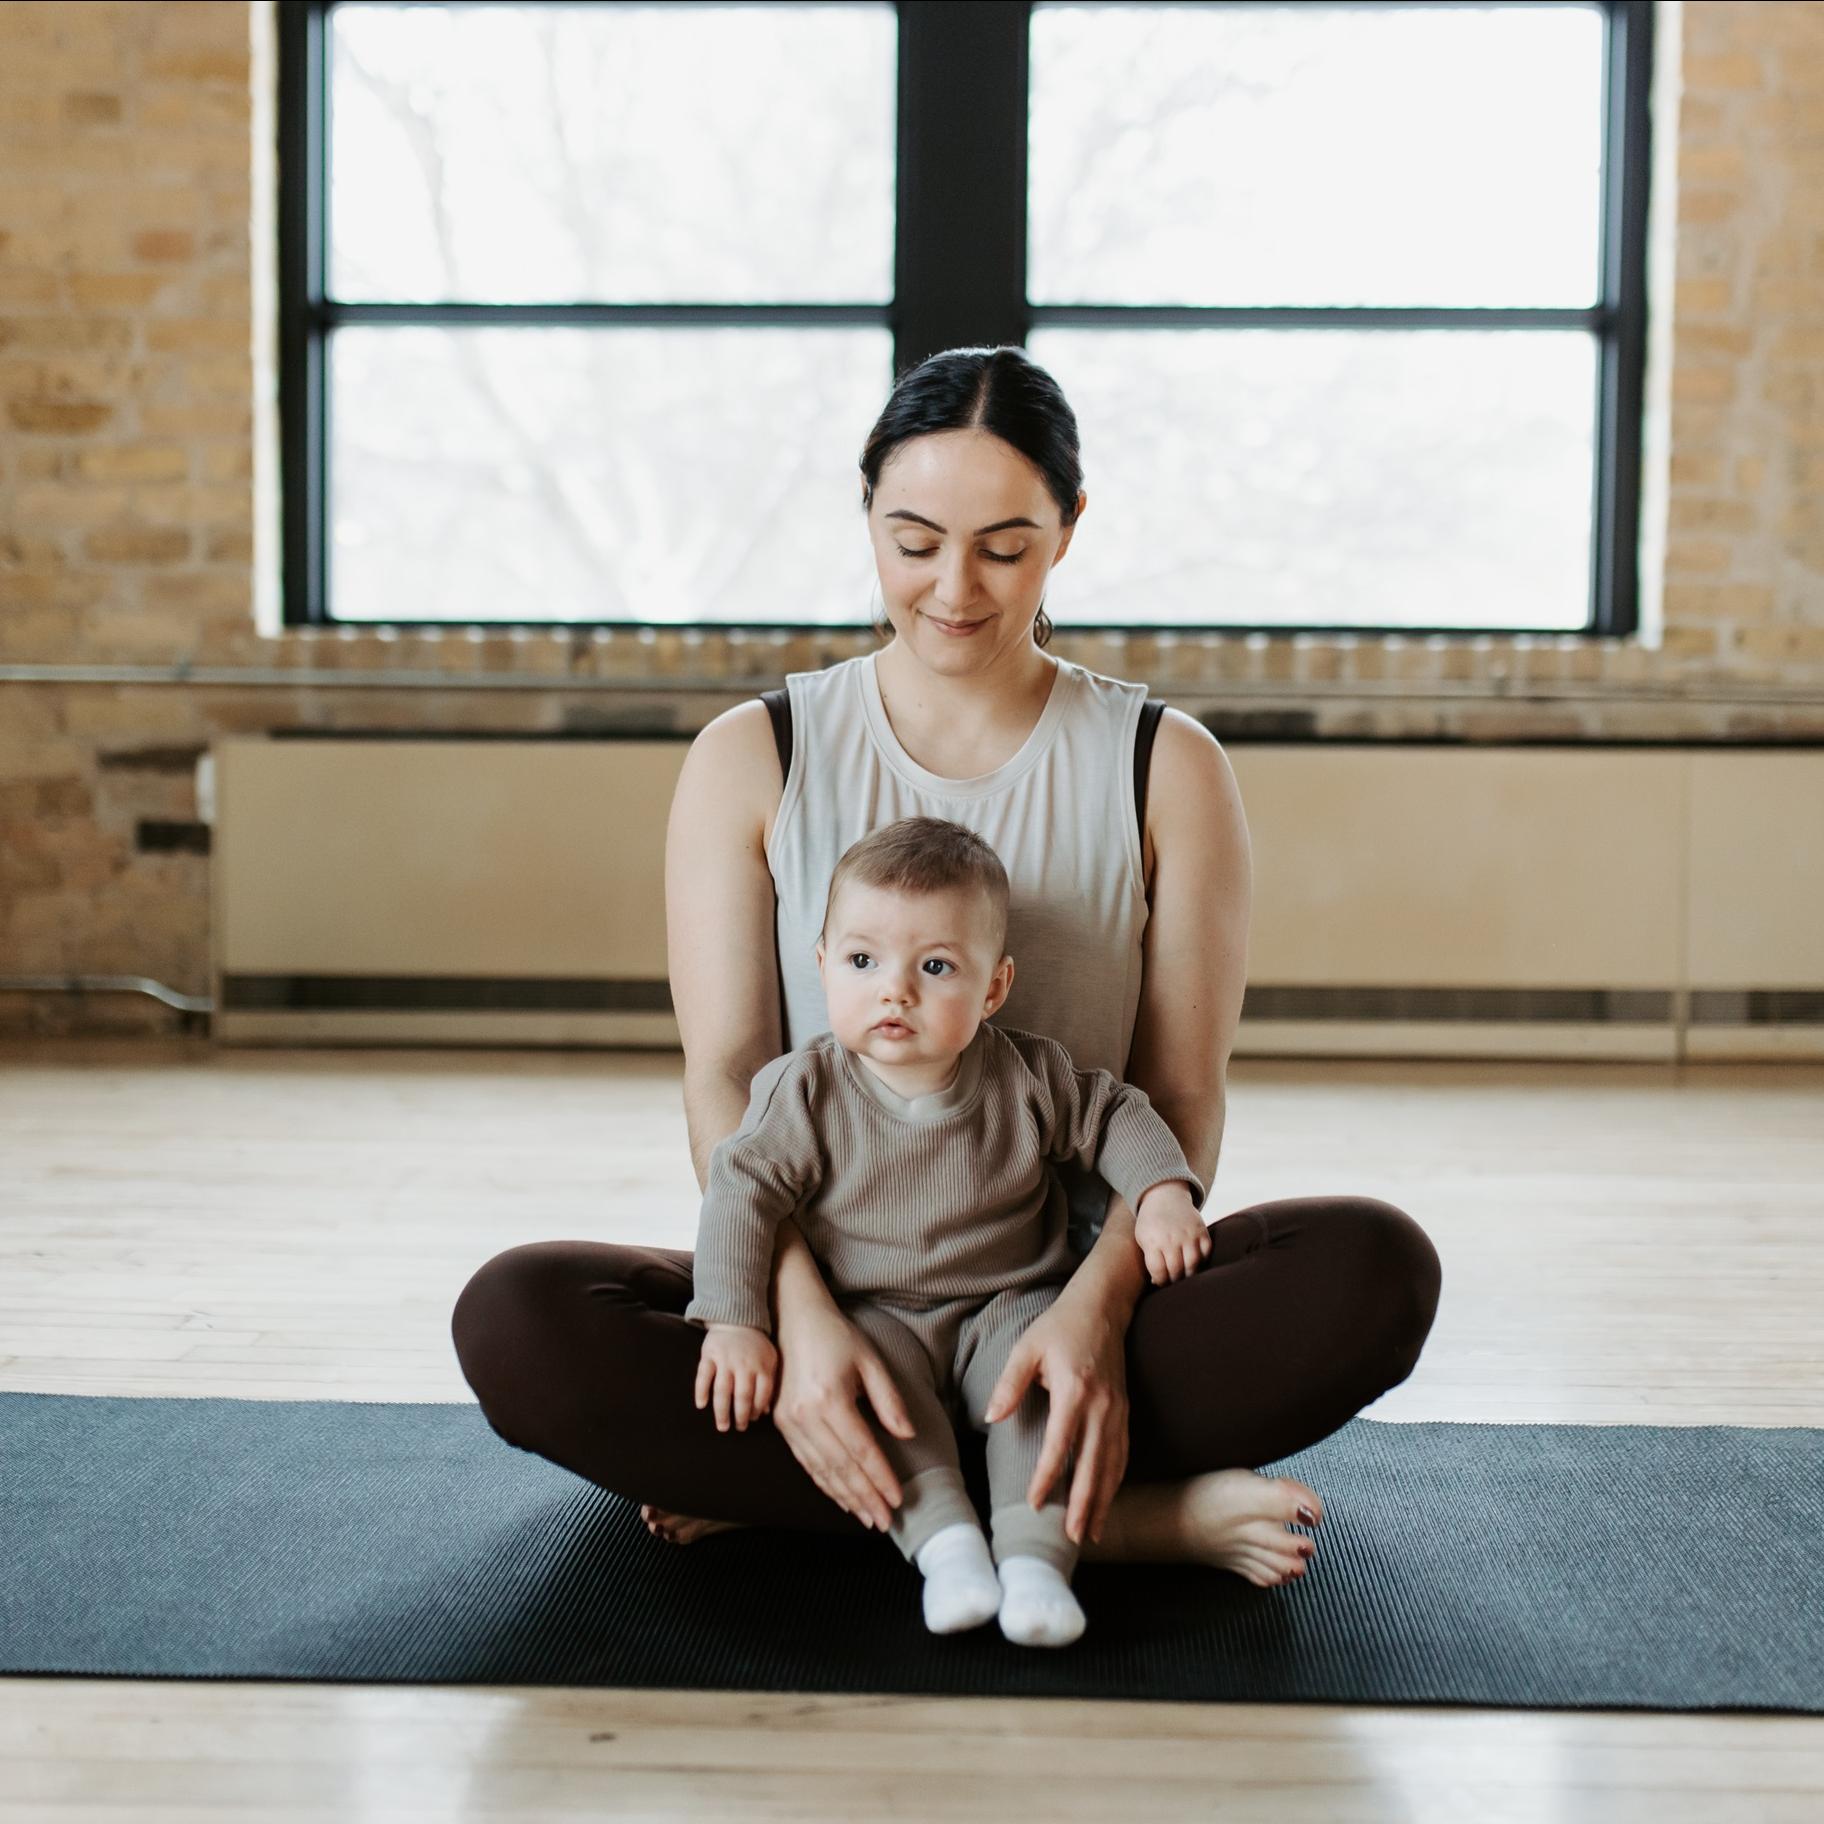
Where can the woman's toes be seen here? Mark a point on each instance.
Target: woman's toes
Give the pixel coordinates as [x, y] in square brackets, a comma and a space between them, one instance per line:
[1301, 1495]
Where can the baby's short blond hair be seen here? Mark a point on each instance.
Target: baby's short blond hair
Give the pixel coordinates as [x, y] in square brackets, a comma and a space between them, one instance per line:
[925, 855]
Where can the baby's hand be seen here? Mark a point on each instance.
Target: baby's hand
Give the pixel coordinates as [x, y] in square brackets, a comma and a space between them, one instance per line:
[1170, 1232]
[739, 1366]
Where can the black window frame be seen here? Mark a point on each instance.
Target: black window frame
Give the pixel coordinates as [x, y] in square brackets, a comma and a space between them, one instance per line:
[960, 279]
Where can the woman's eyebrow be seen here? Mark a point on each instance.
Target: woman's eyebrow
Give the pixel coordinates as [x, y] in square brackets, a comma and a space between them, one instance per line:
[1000, 525]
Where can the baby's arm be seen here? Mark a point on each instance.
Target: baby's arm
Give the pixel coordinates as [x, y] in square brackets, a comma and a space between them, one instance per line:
[1169, 1232]
[738, 1369]
[1112, 1128]
[758, 1175]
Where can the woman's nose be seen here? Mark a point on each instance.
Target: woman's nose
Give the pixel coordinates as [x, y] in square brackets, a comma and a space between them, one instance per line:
[958, 589]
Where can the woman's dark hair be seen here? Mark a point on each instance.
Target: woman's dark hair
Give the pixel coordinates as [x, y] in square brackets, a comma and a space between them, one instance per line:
[1002, 390]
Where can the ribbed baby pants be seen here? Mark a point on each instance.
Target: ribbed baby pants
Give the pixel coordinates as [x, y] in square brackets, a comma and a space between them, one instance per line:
[947, 1356]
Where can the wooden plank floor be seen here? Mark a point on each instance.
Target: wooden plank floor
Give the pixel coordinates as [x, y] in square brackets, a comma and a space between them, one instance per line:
[1621, 1243]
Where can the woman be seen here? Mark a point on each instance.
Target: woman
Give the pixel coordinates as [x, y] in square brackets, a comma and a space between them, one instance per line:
[1130, 865]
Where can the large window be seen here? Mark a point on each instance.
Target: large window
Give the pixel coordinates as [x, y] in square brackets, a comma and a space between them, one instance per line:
[588, 307]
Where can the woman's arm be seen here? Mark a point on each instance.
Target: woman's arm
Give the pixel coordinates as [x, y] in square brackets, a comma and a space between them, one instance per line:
[719, 943]
[1195, 950]
[719, 913]
[719, 921]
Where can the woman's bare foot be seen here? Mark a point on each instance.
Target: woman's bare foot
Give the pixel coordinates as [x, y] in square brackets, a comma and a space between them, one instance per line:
[681, 1529]
[1233, 1518]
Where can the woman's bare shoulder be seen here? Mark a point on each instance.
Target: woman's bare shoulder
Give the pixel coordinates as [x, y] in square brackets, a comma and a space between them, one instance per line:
[735, 758]
[1189, 781]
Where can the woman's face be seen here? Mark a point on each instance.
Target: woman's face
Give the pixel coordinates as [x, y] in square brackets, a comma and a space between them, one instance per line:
[940, 562]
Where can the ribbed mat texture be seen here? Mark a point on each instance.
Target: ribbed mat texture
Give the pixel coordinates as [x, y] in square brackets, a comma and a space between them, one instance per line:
[1559, 1566]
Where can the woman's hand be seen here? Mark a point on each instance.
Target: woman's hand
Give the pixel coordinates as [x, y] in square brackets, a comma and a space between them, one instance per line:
[826, 1363]
[1078, 1353]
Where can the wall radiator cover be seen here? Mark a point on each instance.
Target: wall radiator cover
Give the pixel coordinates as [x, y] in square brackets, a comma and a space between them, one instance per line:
[1422, 901]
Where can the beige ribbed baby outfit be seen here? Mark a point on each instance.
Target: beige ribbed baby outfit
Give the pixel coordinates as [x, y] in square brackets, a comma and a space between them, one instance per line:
[941, 1231]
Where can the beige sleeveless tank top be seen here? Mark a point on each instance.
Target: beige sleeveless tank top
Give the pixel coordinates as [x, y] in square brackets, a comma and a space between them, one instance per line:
[1059, 813]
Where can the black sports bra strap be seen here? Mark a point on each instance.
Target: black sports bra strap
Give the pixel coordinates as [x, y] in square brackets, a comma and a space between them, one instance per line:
[779, 707]
[1150, 712]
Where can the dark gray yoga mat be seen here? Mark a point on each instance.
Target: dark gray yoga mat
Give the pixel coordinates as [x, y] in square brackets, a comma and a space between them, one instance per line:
[1559, 1566]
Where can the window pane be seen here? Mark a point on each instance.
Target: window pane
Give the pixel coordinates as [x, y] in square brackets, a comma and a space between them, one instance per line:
[612, 153]
[1316, 155]
[601, 474]
[1436, 478]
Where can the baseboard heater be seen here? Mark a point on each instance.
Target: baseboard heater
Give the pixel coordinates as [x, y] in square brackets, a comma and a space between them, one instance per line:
[1409, 901]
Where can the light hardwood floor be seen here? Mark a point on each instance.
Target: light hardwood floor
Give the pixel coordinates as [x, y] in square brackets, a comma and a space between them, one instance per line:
[1621, 1243]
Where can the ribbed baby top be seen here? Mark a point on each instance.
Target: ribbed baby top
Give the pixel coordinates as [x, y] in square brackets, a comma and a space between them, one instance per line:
[1059, 813]
[938, 1196]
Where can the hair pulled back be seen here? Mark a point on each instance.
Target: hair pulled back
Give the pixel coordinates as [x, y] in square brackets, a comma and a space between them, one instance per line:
[1002, 390]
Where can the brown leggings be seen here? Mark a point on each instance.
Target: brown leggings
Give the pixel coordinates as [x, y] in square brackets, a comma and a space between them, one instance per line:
[1305, 1310]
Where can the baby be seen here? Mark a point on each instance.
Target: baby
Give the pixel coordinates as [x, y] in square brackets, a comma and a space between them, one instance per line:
[910, 1143]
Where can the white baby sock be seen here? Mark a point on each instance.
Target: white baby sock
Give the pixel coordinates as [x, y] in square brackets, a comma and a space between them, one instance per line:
[961, 1589]
[1037, 1607]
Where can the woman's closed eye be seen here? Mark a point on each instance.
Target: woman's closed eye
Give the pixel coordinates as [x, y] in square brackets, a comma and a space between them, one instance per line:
[1014, 558]
[940, 961]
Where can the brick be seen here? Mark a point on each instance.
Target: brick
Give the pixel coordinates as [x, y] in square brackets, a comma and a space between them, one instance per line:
[196, 66]
[1718, 601]
[226, 503]
[1696, 469]
[212, 335]
[134, 462]
[117, 291]
[25, 291]
[89, 108]
[192, 110]
[1705, 555]
[1708, 385]
[1791, 642]
[164, 244]
[40, 602]
[1699, 512]
[113, 710]
[191, 420]
[1798, 342]
[1695, 340]
[70, 332]
[59, 417]
[1692, 642]
[225, 462]
[137, 544]
[198, 592]
[1701, 298]
[60, 505]
[1733, 70]
[1722, 162]
[1709, 205]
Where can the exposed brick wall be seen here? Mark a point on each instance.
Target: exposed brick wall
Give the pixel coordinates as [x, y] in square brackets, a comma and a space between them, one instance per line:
[136, 478]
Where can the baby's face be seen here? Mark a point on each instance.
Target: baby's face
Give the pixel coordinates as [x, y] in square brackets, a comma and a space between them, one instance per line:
[923, 960]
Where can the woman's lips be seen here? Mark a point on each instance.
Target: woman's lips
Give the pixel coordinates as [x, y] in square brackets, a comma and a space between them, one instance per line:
[957, 630]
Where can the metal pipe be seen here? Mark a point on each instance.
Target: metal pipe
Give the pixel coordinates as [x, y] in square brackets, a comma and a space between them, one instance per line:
[126, 984]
